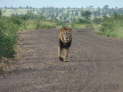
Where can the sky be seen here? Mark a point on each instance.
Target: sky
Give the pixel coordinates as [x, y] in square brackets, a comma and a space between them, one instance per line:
[61, 3]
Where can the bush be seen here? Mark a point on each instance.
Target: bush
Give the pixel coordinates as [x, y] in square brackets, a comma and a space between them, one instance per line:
[8, 37]
[84, 21]
[112, 26]
[97, 20]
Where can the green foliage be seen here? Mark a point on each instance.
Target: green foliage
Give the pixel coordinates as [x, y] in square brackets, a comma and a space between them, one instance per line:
[8, 37]
[0, 12]
[79, 26]
[86, 14]
[17, 20]
[112, 26]
[97, 20]
[46, 25]
[33, 24]
[83, 21]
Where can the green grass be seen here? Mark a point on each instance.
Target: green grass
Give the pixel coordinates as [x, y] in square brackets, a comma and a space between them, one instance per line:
[46, 25]
[111, 26]
[118, 32]
[80, 26]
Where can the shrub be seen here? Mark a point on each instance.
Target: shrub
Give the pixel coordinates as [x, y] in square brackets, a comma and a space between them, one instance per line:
[8, 37]
[84, 21]
[112, 26]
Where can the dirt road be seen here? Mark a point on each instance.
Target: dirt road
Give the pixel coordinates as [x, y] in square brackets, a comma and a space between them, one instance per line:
[96, 64]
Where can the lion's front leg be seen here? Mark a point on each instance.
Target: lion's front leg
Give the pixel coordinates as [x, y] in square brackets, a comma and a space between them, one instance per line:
[66, 53]
[60, 53]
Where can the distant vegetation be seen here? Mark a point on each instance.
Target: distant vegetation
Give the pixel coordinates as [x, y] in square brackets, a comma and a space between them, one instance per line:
[110, 26]
[107, 21]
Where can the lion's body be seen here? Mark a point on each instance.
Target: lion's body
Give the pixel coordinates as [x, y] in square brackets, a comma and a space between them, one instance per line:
[65, 39]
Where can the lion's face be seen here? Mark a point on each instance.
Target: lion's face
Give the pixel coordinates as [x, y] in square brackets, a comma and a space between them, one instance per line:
[66, 35]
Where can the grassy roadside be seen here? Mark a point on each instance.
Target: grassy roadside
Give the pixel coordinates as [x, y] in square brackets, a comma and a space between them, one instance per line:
[8, 38]
[110, 26]
[9, 27]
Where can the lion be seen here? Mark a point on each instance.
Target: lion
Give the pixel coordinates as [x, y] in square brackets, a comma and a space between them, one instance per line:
[65, 40]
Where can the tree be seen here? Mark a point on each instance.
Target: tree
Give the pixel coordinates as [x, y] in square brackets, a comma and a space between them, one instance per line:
[86, 14]
[0, 12]
[105, 10]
